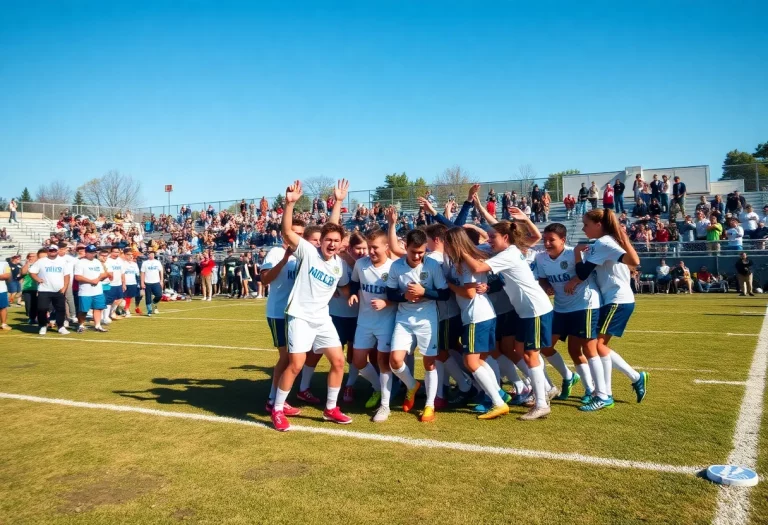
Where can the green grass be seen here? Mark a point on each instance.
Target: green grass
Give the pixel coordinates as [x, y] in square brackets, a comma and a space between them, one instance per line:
[73, 465]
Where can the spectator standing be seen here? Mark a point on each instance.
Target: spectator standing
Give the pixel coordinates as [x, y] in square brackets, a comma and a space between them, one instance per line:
[190, 272]
[608, 196]
[535, 193]
[546, 202]
[570, 204]
[702, 226]
[618, 195]
[505, 205]
[582, 202]
[637, 187]
[735, 234]
[744, 275]
[207, 266]
[14, 283]
[29, 287]
[656, 186]
[174, 274]
[703, 206]
[490, 205]
[662, 236]
[717, 208]
[764, 216]
[666, 189]
[12, 209]
[678, 195]
[687, 231]
[594, 194]
[52, 276]
[230, 265]
[735, 203]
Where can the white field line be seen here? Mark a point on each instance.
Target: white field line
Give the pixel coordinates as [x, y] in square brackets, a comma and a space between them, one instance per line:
[413, 442]
[77, 340]
[229, 305]
[716, 382]
[750, 312]
[687, 333]
[654, 369]
[216, 319]
[733, 502]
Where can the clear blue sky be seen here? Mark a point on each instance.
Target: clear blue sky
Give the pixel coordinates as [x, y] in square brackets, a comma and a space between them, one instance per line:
[227, 100]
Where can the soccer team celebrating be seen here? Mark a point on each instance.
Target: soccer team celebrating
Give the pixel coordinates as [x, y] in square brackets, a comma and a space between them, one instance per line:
[474, 301]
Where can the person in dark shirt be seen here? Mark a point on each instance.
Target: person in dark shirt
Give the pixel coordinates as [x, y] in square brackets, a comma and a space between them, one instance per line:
[190, 272]
[678, 195]
[656, 188]
[654, 209]
[640, 209]
[173, 270]
[618, 195]
[744, 275]
[581, 202]
[230, 264]
[735, 203]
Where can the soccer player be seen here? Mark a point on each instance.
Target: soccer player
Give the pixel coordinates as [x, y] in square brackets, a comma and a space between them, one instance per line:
[5, 277]
[478, 318]
[531, 303]
[115, 265]
[576, 314]
[415, 282]
[52, 276]
[132, 272]
[309, 325]
[151, 282]
[89, 272]
[610, 257]
[375, 321]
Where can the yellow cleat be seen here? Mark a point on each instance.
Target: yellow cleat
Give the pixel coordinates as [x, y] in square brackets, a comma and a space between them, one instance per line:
[428, 415]
[501, 410]
[410, 398]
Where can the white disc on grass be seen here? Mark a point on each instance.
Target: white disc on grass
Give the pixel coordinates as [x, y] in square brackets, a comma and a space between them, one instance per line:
[732, 475]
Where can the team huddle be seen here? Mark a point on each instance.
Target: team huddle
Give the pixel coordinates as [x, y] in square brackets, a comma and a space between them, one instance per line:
[474, 301]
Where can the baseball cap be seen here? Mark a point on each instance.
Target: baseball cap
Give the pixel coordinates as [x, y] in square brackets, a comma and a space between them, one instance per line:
[53, 248]
[91, 249]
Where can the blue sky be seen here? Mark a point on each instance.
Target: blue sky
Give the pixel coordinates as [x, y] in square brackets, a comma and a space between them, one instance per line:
[227, 100]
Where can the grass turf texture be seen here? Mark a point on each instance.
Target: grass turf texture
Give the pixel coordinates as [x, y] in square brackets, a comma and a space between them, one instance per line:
[74, 465]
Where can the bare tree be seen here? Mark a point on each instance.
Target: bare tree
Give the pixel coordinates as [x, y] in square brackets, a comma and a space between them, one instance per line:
[113, 189]
[56, 192]
[320, 186]
[526, 174]
[453, 181]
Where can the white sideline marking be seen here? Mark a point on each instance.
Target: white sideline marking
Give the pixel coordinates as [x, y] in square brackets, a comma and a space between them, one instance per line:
[715, 382]
[148, 343]
[733, 502]
[750, 312]
[413, 442]
[685, 333]
[217, 319]
[652, 369]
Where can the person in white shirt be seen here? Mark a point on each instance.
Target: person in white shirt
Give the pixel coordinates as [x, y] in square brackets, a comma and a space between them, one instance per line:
[151, 282]
[5, 276]
[610, 258]
[702, 224]
[115, 265]
[662, 273]
[69, 294]
[132, 276]
[734, 234]
[309, 324]
[749, 219]
[89, 273]
[52, 276]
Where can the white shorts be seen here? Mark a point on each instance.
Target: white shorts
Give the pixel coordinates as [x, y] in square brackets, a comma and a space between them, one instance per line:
[421, 333]
[378, 337]
[304, 336]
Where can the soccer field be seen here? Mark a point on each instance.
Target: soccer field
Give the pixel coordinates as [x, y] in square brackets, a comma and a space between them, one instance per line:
[162, 420]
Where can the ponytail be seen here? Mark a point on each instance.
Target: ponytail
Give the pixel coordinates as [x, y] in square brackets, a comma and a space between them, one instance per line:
[515, 235]
[610, 224]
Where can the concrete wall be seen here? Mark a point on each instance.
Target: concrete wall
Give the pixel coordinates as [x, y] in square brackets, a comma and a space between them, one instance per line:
[696, 178]
[725, 264]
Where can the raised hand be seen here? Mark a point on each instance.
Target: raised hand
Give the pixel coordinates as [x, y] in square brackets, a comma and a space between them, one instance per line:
[391, 215]
[294, 192]
[341, 190]
[517, 214]
[473, 192]
[424, 203]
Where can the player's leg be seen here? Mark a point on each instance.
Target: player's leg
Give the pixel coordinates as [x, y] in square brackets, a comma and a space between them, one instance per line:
[363, 343]
[301, 337]
[278, 329]
[327, 342]
[385, 382]
[480, 340]
[402, 341]
[613, 322]
[308, 370]
[536, 333]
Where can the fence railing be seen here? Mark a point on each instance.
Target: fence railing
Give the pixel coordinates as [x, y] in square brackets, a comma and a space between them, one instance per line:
[700, 247]
[755, 175]
[53, 211]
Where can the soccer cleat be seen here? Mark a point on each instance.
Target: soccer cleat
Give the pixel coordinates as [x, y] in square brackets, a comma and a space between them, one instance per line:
[462, 398]
[127, 314]
[440, 403]
[410, 397]
[106, 320]
[553, 393]
[5, 328]
[565, 391]
[100, 328]
[428, 415]
[382, 414]
[597, 404]
[349, 394]
[495, 412]
[63, 331]
[137, 311]
[640, 386]
[480, 408]
[336, 416]
[288, 410]
[155, 310]
[520, 400]
[149, 314]
[279, 421]
[373, 400]
[308, 397]
[505, 396]
[81, 329]
[535, 413]
[43, 330]
[587, 398]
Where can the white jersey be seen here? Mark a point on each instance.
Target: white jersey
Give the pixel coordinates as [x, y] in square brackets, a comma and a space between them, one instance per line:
[152, 270]
[429, 274]
[339, 306]
[131, 273]
[316, 282]
[280, 288]
[373, 285]
[450, 308]
[500, 299]
[4, 268]
[561, 270]
[89, 270]
[52, 271]
[116, 266]
[612, 276]
[70, 260]
[477, 309]
[520, 284]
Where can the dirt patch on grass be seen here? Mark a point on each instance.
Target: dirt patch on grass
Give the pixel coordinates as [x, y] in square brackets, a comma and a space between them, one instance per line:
[110, 489]
[23, 365]
[277, 470]
[183, 514]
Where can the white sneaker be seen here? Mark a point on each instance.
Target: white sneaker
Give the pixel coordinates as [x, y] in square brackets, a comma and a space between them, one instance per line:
[535, 413]
[209, 299]
[106, 320]
[382, 414]
[127, 314]
[73, 320]
[43, 330]
[155, 310]
[81, 329]
[66, 323]
[100, 329]
[63, 331]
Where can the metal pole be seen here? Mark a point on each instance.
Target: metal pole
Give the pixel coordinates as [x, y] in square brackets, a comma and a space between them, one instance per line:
[757, 177]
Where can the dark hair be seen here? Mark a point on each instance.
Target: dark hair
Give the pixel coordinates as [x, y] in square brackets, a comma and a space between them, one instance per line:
[377, 233]
[515, 235]
[557, 228]
[299, 222]
[473, 235]
[310, 230]
[608, 219]
[436, 232]
[416, 237]
[355, 238]
[331, 227]
[458, 244]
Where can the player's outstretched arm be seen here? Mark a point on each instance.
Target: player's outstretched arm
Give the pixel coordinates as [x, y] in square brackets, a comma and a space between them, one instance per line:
[339, 194]
[394, 246]
[292, 194]
[481, 209]
[534, 235]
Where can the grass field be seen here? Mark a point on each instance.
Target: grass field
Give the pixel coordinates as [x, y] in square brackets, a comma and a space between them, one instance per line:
[90, 463]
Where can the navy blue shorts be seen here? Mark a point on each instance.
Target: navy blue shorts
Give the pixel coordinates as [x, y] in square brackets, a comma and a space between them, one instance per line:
[506, 324]
[3, 300]
[479, 338]
[581, 323]
[113, 294]
[535, 332]
[450, 333]
[345, 327]
[277, 327]
[614, 318]
[132, 290]
[14, 286]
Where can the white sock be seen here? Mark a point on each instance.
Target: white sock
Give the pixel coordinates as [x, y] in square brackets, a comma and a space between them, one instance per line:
[523, 367]
[107, 310]
[430, 383]
[557, 362]
[440, 368]
[404, 375]
[369, 374]
[410, 362]
[280, 397]
[385, 383]
[586, 377]
[607, 370]
[306, 377]
[624, 367]
[333, 395]
[539, 385]
[484, 377]
[598, 375]
[352, 376]
[548, 381]
[509, 371]
[272, 392]
[490, 361]
[454, 369]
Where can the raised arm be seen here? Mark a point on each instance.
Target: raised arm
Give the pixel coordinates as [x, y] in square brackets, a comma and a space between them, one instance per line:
[461, 217]
[474, 265]
[339, 194]
[292, 194]
[481, 209]
[394, 246]
[534, 235]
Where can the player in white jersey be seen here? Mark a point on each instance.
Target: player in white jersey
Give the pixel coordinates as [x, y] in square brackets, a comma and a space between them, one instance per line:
[115, 264]
[152, 282]
[478, 319]
[279, 273]
[576, 313]
[89, 272]
[52, 276]
[416, 282]
[309, 325]
[131, 280]
[610, 258]
[375, 321]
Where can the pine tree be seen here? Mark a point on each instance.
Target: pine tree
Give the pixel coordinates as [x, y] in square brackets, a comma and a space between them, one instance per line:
[78, 202]
[25, 196]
